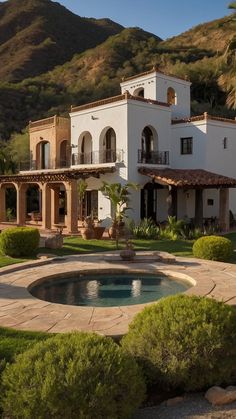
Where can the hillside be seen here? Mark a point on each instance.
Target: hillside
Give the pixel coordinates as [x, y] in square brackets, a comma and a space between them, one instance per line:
[37, 35]
[212, 36]
[202, 53]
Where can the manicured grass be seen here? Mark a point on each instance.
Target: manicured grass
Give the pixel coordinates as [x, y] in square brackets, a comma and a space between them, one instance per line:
[77, 245]
[14, 342]
[5, 261]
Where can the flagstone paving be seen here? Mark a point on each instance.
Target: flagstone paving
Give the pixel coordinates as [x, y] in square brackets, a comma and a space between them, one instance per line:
[20, 310]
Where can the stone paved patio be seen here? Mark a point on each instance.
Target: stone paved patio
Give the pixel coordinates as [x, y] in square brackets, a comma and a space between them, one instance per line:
[20, 310]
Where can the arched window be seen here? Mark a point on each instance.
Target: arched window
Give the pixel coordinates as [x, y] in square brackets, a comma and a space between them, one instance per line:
[147, 140]
[149, 146]
[43, 155]
[64, 154]
[85, 154]
[139, 92]
[108, 146]
[171, 96]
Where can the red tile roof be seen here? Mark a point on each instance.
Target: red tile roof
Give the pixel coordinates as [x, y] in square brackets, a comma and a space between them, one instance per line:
[188, 178]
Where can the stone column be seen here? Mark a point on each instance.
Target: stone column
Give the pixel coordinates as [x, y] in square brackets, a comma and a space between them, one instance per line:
[55, 204]
[21, 203]
[199, 207]
[46, 207]
[72, 206]
[3, 204]
[172, 202]
[224, 209]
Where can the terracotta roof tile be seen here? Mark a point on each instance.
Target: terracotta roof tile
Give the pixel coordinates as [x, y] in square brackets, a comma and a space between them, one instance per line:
[183, 178]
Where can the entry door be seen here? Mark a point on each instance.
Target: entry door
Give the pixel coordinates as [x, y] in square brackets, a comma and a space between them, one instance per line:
[148, 203]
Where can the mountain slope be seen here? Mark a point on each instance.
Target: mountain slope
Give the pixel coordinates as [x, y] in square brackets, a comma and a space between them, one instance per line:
[97, 72]
[37, 35]
[214, 35]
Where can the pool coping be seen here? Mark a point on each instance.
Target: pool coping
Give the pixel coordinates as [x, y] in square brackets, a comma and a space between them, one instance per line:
[20, 310]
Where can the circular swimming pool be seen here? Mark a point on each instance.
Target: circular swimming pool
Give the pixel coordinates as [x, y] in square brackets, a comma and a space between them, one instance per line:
[107, 289]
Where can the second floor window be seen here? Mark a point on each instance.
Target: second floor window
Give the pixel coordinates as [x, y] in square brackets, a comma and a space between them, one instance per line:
[225, 143]
[186, 145]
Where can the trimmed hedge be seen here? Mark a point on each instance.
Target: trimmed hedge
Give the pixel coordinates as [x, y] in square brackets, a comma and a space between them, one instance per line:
[78, 375]
[186, 343]
[213, 248]
[19, 241]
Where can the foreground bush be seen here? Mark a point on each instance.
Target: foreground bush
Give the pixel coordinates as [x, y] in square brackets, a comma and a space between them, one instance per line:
[184, 342]
[19, 241]
[213, 248]
[78, 375]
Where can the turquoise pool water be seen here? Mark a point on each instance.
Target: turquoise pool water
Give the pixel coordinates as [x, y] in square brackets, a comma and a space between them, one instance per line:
[107, 290]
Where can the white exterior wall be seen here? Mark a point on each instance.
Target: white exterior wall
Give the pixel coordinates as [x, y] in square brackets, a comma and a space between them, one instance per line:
[148, 83]
[197, 160]
[182, 90]
[96, 121]
[218, 159]
[155, 87]
[141, 115]
[208, 154]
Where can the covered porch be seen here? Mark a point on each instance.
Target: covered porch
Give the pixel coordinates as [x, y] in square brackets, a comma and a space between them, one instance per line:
[185, 184]
[56, 202]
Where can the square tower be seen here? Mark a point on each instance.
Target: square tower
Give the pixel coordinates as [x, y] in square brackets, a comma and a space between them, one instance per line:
[165, 88]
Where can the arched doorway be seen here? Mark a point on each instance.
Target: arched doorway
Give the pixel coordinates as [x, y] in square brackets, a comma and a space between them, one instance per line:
[85, 155]
[64, 152]
[149, 146]
[108, 146]
[171, 96]
[43, 155]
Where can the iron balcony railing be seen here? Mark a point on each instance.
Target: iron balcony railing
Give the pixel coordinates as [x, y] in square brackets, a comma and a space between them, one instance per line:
[98, 157]
[153, 157]
[50, 164]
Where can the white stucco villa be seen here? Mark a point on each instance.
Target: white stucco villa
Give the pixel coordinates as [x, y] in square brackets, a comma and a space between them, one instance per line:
[185, 166]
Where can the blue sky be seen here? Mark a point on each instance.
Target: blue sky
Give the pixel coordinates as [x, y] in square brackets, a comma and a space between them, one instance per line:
[165, 18]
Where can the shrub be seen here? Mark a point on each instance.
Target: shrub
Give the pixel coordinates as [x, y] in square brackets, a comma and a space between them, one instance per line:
[147, 229]
[79, 375]
[186, 343]
[19, 241]
[213, 248]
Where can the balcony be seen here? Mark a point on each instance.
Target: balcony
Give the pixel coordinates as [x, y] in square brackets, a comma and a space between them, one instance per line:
[48, 165]
[98, 157]
[153, 157]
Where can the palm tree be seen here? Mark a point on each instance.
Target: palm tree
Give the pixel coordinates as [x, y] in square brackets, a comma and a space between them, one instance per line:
[119, 197]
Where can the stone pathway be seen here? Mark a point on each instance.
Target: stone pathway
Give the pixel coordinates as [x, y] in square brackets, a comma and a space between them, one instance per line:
[20, 310]
[193, 407]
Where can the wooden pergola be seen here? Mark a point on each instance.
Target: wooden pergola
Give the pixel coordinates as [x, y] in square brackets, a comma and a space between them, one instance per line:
[197, 179]
[49, 182]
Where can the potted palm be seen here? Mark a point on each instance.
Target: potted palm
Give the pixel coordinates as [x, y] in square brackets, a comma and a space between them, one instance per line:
[119, 197]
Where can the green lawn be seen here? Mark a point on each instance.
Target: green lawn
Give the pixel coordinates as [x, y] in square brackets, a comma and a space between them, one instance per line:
[77, 245]
[5, 261]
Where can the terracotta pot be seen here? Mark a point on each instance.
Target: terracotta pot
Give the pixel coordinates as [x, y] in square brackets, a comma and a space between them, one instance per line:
[117, 229]
[87, 233]
[127, 254]
[98, 232]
